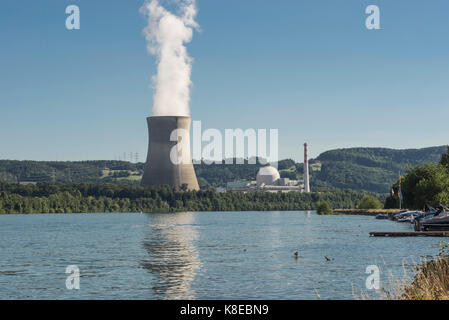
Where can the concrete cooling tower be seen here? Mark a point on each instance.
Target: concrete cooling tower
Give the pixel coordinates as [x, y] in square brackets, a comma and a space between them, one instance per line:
[169, 160]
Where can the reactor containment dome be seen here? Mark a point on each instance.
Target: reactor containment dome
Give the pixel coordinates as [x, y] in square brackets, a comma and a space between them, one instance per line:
[267, 176]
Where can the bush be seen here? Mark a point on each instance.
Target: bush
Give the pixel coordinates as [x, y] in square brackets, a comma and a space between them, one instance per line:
[369, 202]
[324, 208]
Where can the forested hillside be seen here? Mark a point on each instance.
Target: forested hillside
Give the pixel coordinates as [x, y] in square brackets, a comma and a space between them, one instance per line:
[68, 171]
[373, 169]
[370, 169]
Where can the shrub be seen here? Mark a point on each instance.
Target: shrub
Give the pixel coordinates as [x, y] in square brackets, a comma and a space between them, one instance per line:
[324, 208]
[369, 202]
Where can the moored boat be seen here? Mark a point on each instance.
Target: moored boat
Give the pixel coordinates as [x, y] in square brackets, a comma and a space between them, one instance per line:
[406, 216]
[434, 220]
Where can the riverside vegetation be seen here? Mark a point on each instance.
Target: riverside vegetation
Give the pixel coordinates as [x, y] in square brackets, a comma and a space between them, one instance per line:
[367, 204]
[323, 208]
[424, 184]
[431, 281]
[48, 197]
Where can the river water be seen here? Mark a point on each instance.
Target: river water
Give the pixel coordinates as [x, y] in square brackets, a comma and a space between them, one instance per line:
[201, 255]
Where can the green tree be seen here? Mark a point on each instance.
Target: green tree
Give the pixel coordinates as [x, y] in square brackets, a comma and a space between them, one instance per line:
[425, 184]
[392, 202]
[369, 202]
[445, 159]
[323, 207]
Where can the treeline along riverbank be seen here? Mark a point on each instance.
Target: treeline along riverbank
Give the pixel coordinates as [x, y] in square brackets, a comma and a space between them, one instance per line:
[85, 197]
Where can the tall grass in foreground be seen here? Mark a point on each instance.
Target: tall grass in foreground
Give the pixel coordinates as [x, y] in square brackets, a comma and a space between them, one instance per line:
[430, 281]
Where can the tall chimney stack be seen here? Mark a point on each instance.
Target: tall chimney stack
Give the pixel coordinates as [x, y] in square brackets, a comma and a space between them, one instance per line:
[306, 169]
[169, 140]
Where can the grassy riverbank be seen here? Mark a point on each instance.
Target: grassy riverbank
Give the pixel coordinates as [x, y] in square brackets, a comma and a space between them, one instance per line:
[431, 281]
[367, 212]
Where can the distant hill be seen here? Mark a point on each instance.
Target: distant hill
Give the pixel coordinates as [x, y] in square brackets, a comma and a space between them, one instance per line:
[70, 171]
[370, 169]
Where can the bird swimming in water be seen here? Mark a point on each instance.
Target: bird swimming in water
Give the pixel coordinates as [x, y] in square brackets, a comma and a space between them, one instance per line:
[296, 254]
[328, 259]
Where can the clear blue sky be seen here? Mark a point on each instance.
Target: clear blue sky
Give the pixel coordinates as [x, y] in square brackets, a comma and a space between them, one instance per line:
[307, 67]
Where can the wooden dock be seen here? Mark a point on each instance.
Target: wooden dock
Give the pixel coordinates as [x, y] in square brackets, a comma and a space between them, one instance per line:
[410, 234]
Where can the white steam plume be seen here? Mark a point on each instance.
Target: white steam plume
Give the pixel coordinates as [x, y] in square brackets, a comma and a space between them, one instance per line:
[166, 34]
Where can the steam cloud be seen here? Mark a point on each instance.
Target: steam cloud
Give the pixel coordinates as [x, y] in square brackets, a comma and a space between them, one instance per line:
[166, 34]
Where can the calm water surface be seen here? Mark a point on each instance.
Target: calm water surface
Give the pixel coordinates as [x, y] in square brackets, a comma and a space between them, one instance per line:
[199, 255]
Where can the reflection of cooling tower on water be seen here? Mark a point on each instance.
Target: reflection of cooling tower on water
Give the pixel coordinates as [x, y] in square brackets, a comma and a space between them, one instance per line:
[172, 258]
[169, 160]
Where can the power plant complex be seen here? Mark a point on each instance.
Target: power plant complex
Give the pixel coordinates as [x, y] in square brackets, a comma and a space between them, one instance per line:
[169, 161]
[268, 179]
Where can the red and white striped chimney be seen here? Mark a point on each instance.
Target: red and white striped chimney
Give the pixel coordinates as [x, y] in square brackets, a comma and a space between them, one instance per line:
[306, 168]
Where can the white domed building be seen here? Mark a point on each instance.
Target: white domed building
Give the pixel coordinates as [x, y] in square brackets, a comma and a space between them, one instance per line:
[267, 176]
[268, 179]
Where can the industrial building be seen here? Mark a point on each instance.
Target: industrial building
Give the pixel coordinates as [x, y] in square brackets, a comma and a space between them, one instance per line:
[268, 179]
